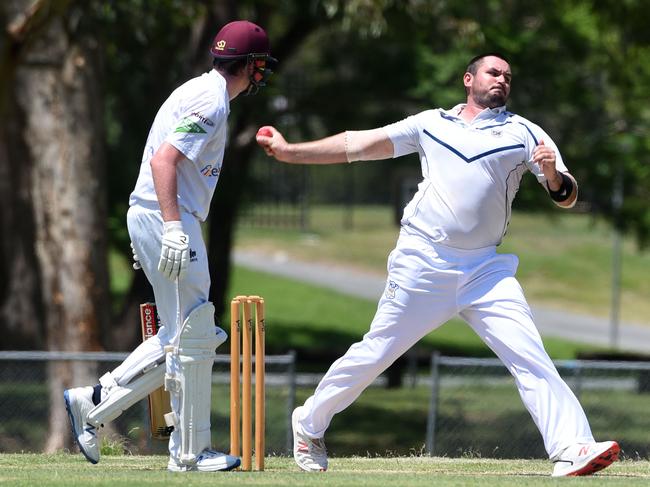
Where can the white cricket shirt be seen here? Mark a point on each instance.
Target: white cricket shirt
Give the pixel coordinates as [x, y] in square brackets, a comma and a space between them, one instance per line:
[194, 120]
[471, 172]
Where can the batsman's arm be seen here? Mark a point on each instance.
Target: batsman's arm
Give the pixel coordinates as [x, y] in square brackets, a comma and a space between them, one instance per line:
[364, 145]
[163, 170]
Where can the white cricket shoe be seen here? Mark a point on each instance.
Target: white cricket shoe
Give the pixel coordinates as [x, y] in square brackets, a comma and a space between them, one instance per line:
[78, 403]
[207, 461]
[585, 458]
[309, 453]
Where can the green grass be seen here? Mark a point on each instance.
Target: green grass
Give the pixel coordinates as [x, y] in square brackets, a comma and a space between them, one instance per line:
[72, 470]
[565, 258]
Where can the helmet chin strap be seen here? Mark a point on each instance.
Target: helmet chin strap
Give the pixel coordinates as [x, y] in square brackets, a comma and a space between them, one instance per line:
[252, 89]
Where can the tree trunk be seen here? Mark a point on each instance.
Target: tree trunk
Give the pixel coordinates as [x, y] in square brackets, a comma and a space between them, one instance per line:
[21, 310]
[55, 92]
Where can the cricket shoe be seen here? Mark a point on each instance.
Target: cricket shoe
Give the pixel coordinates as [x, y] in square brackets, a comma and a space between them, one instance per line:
[78, 403]
[585, 458]
[207, 461]
[309, 453]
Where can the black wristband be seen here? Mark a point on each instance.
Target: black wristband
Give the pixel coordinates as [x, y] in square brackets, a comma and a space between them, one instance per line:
[564, 191]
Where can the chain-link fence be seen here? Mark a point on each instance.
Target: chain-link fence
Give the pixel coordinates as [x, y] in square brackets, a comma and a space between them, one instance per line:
[25, 407]
[475, 408]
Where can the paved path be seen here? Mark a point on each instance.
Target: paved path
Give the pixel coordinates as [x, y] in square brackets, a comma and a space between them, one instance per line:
[550, 322]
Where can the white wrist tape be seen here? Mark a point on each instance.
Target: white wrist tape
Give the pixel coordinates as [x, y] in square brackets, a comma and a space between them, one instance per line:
[352, 149]
[365, 145]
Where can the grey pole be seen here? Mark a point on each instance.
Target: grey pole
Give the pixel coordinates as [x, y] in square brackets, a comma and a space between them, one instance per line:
[433, 405]
[617, 203]
[291, 399]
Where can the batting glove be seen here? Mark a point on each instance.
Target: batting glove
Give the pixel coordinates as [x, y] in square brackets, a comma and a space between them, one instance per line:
[175, 252]
[136, 260]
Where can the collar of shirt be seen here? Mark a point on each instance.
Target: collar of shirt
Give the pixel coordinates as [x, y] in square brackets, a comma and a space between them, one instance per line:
[221, 81]
[487, 113]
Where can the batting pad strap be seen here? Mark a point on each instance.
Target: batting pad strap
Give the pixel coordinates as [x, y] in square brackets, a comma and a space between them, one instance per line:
[107, 382]
[171, 419]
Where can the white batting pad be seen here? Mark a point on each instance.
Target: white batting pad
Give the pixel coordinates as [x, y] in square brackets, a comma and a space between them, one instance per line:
[188, 379]
[120, 398]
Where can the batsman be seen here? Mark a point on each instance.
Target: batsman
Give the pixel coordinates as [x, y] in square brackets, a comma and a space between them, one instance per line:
[179, 172]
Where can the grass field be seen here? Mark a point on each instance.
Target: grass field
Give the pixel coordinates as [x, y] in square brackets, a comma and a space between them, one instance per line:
[565, 258]
[72, 470]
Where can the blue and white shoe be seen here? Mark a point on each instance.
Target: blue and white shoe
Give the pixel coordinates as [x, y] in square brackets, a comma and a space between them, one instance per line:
[207, 461]
[78, 403]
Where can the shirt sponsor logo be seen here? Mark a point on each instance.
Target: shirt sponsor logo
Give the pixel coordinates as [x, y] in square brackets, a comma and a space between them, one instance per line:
[211, 171]
[497, 132]
[187, 126]
[203, 119]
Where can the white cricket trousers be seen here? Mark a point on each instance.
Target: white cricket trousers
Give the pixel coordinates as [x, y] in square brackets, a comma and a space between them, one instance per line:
[427, 285]
[145, 229]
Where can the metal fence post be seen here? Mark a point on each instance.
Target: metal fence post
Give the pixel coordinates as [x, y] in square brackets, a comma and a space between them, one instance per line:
[291, 398]
[578, 379]
[412, 368]
[433, 404]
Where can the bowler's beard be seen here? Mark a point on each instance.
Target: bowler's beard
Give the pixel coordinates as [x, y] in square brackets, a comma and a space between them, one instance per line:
[490, 99]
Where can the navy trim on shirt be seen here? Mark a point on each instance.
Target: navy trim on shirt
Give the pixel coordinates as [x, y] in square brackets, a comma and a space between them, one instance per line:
[530, 132]
[492, 126]
[476, 157]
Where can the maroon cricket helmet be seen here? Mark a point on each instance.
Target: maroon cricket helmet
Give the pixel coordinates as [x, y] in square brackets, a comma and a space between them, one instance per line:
[239, 39]
[242, 39]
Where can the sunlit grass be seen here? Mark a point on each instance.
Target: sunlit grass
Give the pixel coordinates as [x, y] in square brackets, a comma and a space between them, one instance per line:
[72, 470]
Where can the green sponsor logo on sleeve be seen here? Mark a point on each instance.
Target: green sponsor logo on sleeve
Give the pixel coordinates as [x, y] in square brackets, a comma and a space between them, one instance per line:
[188, 127]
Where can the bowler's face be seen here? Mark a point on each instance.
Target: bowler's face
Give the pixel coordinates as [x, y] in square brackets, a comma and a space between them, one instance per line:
[490, 86]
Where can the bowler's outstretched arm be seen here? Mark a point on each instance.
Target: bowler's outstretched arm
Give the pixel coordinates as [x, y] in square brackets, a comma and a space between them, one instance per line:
[363, 145]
